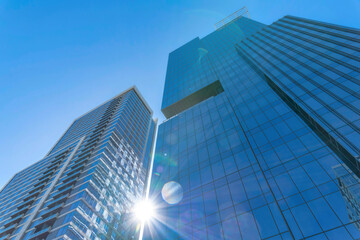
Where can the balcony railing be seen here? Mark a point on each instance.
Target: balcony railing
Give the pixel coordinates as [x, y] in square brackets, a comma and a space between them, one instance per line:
[239, 13]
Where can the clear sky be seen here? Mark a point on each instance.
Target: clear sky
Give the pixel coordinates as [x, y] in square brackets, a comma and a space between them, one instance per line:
[59, 59]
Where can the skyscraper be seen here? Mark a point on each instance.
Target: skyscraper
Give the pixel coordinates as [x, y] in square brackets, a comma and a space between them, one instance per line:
[85, 186]
[262, 139]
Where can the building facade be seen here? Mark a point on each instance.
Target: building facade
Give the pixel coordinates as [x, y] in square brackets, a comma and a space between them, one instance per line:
[262, 139]
[85, 186]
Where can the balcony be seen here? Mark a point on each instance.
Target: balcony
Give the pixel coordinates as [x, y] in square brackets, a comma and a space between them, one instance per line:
[10, 221]
[16, 214]
[40, 234]
[7, 230]
[52, 216]
[51, 211]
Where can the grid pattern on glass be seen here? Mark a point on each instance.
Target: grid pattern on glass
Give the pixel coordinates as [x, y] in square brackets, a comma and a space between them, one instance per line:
[249, 167]
[320, 78]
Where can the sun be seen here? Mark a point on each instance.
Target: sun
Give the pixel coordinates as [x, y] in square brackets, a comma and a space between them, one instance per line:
[144, 211]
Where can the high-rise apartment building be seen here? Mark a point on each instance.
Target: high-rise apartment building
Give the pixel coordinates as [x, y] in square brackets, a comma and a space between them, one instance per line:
[262, 139]
[85, 186]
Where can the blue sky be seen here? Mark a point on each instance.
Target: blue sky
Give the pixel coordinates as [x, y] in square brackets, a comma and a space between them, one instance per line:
[59, 59]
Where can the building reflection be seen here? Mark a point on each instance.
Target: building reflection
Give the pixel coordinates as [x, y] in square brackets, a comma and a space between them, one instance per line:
[350, 190]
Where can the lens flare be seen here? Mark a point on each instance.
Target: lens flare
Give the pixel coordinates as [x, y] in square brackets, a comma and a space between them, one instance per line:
[172, 192]
[144, 211]
[202, 52]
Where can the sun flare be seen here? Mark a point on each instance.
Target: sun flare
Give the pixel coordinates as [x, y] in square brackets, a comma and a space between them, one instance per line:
[144, 211]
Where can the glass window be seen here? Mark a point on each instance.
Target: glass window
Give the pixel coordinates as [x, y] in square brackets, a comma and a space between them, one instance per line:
[265, 222]
[247, 226]
[306, 221]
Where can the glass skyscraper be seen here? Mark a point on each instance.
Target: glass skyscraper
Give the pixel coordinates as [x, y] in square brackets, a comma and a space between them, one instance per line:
[262, 139]
[86, 185]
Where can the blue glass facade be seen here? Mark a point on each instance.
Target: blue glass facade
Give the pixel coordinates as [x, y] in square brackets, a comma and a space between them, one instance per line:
[273, 151]
[86, 185]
